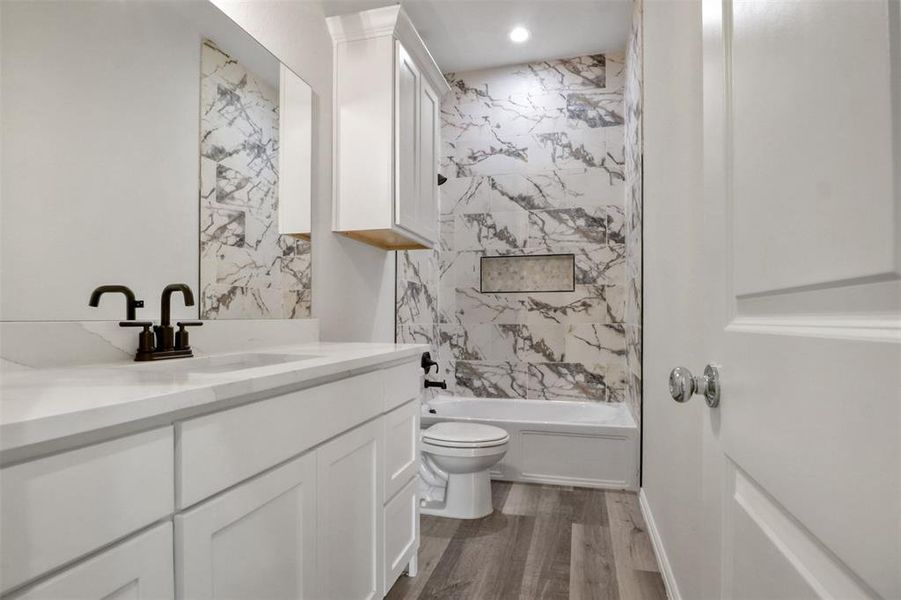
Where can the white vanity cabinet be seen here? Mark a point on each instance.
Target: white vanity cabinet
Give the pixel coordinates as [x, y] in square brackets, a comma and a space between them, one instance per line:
[387, 117]
[305, 494]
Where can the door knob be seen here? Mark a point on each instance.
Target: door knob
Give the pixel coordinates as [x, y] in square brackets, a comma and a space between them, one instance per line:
[682, 385]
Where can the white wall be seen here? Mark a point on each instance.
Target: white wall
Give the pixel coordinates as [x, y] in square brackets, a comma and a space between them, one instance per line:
[673, 312]
[353, 284]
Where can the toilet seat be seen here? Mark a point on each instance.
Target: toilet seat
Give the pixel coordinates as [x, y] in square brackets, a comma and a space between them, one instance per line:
[451, 434]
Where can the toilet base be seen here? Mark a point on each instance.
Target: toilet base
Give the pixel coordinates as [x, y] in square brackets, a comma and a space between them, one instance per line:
[468, 496]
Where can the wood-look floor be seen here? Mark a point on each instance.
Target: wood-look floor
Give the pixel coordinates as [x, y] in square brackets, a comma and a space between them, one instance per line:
[540, 542]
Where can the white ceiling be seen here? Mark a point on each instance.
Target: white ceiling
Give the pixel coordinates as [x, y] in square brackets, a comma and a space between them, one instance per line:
[464, 35]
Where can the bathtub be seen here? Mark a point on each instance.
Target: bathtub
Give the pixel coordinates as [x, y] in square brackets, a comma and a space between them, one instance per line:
[585, 444]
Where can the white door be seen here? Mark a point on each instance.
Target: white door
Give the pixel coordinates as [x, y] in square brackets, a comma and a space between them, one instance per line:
[407, 142]
[350, 514]
[802, 214]
[255, 541]
[137, 569]
[427, 210]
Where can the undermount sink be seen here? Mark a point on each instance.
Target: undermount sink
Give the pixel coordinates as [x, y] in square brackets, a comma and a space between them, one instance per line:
[226, 362]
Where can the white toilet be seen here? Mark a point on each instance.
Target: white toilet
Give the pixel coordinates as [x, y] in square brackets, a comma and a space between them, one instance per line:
[466, 452]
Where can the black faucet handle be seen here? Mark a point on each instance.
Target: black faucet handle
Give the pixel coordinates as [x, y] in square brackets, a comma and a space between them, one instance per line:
[145, 338]
[182, 341]
[435, 384]
[427, 363]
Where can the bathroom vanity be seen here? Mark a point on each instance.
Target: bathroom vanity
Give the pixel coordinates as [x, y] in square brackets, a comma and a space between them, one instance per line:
[284, 472]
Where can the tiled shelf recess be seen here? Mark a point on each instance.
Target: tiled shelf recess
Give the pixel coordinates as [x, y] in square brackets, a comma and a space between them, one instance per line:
[541, 273]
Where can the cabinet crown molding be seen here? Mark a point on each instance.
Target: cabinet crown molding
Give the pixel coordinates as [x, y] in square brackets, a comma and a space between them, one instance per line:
[385, 21]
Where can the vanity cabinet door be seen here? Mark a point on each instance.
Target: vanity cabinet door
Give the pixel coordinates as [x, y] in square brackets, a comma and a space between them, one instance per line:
[139, 569]
[257, 540]
[350, 514]
[407, 143]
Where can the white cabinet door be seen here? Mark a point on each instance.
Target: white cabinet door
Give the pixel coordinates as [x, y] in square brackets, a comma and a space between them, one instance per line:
[255, 541]
[137, 569]
[427, 210]
[350, 510]
[407, 142]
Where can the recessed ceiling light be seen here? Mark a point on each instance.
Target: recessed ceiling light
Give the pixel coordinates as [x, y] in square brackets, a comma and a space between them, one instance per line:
[519, 34]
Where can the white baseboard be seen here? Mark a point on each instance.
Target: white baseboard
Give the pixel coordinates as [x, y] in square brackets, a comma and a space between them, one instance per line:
[669, 579]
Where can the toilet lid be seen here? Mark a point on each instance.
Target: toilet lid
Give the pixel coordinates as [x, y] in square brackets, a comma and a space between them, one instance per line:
[464, 434]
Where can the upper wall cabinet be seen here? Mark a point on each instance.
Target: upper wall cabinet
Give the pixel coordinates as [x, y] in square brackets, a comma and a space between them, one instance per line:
[387, 115]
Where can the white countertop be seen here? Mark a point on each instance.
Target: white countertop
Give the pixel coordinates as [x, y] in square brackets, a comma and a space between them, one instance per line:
[40, 405]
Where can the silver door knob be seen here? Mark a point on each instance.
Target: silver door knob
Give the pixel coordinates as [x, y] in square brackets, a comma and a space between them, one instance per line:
[682, 385]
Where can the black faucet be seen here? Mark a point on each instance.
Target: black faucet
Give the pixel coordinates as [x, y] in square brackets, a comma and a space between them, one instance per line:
[169, 344]
[130, 303]
[427, 363]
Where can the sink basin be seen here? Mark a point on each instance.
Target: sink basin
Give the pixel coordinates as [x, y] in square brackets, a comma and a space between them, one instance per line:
[225, 363]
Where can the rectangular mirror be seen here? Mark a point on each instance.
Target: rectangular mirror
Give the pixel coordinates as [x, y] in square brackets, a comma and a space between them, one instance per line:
[143, 143]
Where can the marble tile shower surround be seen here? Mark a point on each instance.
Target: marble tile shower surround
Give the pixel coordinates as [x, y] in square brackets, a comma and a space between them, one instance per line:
[633, 209]
[536, 160]
[247, 270]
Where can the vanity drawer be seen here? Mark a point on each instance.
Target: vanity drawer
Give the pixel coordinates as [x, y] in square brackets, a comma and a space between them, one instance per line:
[401, 527]
[402, 384]
[401, 453]
[56, 509]
[139, 568]
[219, 450]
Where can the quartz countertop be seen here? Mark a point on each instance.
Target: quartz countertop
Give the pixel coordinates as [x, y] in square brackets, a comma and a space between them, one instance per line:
[41, 405]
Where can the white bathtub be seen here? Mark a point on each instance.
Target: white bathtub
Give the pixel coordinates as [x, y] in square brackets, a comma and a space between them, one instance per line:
[587, 444]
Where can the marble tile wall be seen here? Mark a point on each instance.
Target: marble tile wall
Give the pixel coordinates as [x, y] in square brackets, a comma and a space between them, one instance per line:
[633, 209]
[536, 164]
[247, 270]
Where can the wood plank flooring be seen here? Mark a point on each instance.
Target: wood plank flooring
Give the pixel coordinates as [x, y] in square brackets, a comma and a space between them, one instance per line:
[541, 542]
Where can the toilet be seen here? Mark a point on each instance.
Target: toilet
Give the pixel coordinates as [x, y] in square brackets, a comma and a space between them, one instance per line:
[465, 452]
